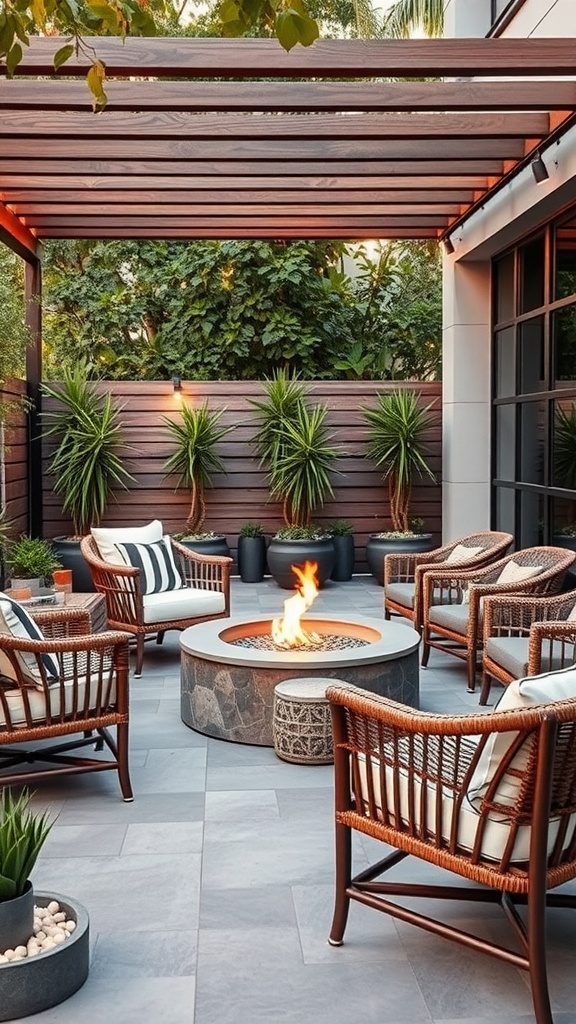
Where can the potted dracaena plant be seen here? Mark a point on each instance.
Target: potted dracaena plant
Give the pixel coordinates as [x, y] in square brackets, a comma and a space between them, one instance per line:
[31, 562]
[87, 463]
[193, 460]
[396, 428]
[298, 456]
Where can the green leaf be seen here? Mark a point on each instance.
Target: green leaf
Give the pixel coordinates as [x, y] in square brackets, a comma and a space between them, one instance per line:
[287, 29]
[95, 79]
[13, 58]
[229, 11]
[62, 55]
[38, 11]
[6, 32]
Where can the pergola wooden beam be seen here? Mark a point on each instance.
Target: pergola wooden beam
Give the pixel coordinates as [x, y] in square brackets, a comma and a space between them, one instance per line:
[327, 58]
[16, 235]
[65, 96]
[244, 158]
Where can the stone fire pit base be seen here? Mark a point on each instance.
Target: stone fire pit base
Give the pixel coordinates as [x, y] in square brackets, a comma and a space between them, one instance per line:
[228, 692]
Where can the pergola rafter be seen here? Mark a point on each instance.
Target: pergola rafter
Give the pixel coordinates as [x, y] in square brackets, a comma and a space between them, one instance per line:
[241, 157]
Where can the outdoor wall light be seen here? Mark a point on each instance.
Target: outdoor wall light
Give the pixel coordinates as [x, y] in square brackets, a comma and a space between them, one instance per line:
[539, 169]
[448, 245]
[176, 384]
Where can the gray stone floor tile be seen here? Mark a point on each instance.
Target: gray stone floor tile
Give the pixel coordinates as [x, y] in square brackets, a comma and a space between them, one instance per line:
[238, 807]
[129, 893]
[154, 954]
[222, 754]
[127, 1001]
[148, 807]
[84, 840]
[163, 837]
[171, 771]
[277, 776]
[317, 804]
[270, 906]
[455, 980]
[370, 937]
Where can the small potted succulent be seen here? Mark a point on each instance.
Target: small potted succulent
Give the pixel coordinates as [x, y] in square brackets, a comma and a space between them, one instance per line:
[342, 533]
[251, 553]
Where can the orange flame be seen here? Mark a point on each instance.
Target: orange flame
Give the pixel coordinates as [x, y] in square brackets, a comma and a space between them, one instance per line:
[287, 631]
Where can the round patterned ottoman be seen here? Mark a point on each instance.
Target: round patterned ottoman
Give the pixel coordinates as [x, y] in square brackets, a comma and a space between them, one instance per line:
[301, 723]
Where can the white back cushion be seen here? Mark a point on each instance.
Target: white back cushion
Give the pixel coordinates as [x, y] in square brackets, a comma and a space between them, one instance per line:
[461, 553]
[15, 620]
[521, 693]
[514, 573]
[107, 539]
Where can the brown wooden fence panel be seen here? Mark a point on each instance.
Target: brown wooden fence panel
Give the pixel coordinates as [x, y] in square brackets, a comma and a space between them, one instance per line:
[241, 494]
[14, 473]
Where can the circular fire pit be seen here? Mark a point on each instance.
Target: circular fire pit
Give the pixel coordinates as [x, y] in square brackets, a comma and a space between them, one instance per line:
[229, 671]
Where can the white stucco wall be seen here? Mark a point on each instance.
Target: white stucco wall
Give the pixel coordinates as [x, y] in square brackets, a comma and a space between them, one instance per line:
[544, 18]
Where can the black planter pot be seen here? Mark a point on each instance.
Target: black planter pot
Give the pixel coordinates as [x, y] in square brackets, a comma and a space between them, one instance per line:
[68, 552]
[344, 557]
[17, 919]
[208, 546]
[282, 554]
[251, 559]
[377, 547]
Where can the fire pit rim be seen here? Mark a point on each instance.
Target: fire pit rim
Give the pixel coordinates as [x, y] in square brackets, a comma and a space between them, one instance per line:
[205, 641]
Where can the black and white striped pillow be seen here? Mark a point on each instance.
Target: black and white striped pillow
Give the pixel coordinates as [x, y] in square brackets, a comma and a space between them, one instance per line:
[14, 619]
[156, 564]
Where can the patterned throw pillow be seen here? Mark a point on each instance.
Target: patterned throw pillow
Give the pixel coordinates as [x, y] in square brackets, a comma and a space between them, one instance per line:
[156, 563]
[14, 619]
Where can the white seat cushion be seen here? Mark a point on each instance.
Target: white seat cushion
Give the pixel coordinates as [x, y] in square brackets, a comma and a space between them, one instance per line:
[37, 700]
[185, 603]
[107, 539]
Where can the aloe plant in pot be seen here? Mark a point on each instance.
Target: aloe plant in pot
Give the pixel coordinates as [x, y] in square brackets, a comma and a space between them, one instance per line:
[22, 835]
[397, 425]
[298, 455]
[88, 462]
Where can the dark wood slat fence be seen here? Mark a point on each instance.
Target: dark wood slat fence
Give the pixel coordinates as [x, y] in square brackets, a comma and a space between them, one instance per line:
[241, 494]
[14, 471]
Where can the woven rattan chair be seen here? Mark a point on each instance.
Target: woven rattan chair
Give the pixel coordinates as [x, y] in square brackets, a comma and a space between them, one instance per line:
[403, 572]
[526, 635]
[126, 609]
[77, 710]
[454, 625]
[415, 781]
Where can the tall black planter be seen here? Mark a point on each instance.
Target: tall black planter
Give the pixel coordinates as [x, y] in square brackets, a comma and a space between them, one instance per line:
[377, 547]
[68, 551]
[282, 554]
[251, 559]
[344, 557]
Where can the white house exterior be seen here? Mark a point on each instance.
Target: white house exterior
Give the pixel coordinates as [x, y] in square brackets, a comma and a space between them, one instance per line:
[510, 324]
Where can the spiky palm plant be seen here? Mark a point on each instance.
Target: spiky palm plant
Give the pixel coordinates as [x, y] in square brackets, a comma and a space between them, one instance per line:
[406, 16]
[88, 461]
[396, 428]
[300, 478]
[194, 457]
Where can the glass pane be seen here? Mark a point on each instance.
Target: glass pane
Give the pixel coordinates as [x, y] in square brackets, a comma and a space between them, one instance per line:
[505, 442]
[532, 275]
[505, 510]
[532, 356]
[505, 363]
[565, 270]
[504, 288]
[564, 347]
[531, 519]
[564, 444]
[532, 421]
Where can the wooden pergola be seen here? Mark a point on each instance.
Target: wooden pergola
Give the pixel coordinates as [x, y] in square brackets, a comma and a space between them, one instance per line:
[218, 138]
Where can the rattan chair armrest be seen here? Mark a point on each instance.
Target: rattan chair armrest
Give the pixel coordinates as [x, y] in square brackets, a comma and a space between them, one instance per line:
[561, 634]
[402, 567]
[194, 556]
[77, 620]
[513, 614]
[53, 645]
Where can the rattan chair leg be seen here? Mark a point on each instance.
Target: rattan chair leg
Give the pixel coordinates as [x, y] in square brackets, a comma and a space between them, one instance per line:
[471, 670]
[537, 956]
[160, 636]
[486, 687]
[139, 655]
[342, 881]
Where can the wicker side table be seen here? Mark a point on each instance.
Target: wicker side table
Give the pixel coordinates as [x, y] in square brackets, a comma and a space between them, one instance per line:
[302, 723]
